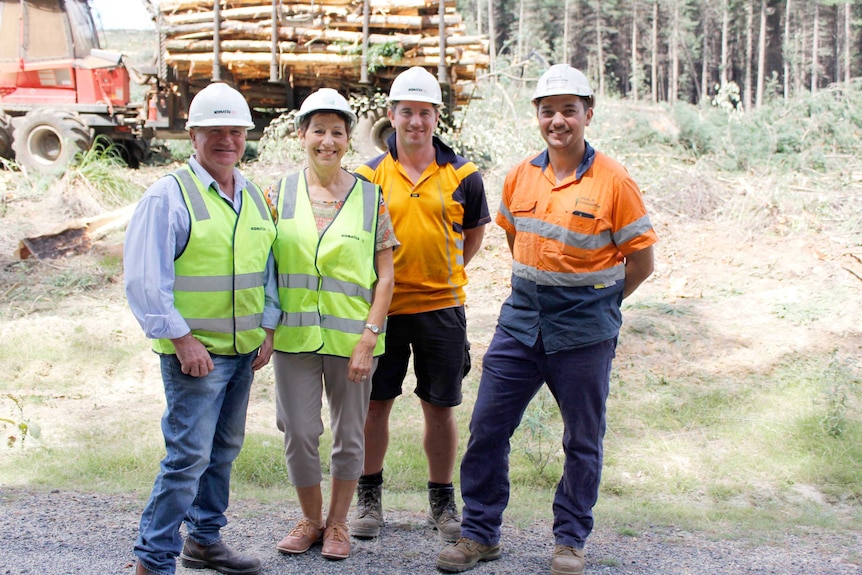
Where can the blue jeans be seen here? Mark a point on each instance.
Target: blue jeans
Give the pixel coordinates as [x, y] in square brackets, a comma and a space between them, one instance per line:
[204, 427]
[512, 374]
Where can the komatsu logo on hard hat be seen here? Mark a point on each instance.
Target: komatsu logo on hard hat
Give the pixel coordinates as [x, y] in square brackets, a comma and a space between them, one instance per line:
[415, 89]
[216, 112]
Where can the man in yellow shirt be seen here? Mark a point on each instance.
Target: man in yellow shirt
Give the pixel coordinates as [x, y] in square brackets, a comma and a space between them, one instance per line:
[438, 207]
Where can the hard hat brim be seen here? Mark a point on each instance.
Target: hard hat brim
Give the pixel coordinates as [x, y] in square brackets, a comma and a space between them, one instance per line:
[219, 122]
[425, 100]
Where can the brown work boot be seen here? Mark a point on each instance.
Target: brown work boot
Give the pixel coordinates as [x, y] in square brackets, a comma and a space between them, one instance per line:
[217, 557]
[368, 519]
[443, 514]
[567, 561]
[465, 554]
[336, 542]
[301, 537]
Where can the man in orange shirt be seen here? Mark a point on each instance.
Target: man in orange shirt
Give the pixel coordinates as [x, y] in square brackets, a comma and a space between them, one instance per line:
[581, 241]
[438, 207]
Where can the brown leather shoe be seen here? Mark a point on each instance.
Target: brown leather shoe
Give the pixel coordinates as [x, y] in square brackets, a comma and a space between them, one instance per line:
[465, 554]
[217, 557]
[567, 561]
[301, 537]
[336, 542]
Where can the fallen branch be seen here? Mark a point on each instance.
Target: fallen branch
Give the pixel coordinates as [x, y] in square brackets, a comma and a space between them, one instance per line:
[75, 237]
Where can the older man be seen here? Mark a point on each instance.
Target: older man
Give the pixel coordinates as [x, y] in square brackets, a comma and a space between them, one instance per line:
[200, 281]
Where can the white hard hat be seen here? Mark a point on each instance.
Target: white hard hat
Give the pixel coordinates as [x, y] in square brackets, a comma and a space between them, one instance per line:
[562, 79]
[219, 105]
[325, 100]
[416, 84]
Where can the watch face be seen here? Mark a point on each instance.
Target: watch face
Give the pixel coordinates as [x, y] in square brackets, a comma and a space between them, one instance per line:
[374, 329]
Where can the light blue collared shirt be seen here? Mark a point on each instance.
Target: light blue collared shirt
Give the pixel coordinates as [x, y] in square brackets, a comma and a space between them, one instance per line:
[157, 234]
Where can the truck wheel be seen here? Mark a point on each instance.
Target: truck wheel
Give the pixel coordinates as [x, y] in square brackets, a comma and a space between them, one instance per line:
[134, 152]
[372, 130]
[6, 137]
[47, 140]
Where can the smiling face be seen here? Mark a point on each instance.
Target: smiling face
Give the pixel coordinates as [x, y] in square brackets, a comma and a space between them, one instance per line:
[414, 123]
[562, 121]
[218, 148]
[325, 139]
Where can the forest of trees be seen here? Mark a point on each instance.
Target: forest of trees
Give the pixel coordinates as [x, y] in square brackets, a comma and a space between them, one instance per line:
[738, 52]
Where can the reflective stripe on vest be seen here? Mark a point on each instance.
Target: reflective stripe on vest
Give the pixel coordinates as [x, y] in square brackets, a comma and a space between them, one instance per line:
[325, 281]
[218, 285]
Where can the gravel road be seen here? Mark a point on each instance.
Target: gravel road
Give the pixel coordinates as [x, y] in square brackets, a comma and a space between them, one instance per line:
[62, 533]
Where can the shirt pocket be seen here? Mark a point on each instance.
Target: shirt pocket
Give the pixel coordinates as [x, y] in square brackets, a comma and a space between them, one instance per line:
[522, 208]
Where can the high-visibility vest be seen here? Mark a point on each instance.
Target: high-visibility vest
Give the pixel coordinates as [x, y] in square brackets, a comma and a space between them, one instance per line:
[325, 281]
[218, 285]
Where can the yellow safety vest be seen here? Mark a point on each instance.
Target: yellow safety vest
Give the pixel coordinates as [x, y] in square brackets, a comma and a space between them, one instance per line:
[218, 286]
[325, 282]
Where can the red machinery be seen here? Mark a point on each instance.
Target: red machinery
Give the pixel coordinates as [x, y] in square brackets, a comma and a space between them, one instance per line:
[58, 90]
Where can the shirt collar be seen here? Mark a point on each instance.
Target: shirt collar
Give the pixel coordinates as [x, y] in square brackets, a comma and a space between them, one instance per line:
[443, 154]
[543, 160]
[239, 181]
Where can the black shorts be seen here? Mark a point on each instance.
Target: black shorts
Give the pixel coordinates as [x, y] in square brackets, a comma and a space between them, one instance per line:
[438, 340]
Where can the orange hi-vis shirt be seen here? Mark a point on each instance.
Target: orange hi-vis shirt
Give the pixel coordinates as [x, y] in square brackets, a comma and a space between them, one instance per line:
[429, 217]
[570, 238]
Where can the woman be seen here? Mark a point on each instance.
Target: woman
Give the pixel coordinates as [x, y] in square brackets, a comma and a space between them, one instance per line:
[333, 253]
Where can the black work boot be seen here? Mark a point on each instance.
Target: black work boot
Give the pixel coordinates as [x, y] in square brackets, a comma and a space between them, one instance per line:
[217, 557]
[368, 519]
[443, 514]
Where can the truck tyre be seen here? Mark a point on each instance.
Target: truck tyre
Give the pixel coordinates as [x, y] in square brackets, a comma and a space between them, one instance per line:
[372, 130]
[6, 137]
[47, 140]
[134, 152]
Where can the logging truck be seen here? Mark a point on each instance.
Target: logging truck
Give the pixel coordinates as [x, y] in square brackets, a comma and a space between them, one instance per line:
[59, 89]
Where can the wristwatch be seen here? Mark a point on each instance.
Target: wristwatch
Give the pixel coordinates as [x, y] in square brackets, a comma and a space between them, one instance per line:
[373, 328]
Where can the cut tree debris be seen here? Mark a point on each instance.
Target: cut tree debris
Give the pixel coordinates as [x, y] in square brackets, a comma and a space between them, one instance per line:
[76, 236]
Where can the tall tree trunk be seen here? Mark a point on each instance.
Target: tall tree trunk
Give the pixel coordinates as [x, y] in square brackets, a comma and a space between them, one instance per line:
[566, 32]
[749, 47]
[673, 54]
[847, 39]
[815, 44]
[801, 51]
[519, 51]
[761, 55]
[634, 60]
[786, 50]
[725, 38]
[654, 67]
[705, 57]
[600, 52]
[492, 39]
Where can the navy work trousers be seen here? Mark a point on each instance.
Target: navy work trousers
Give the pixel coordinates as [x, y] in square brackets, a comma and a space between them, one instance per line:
[512, 374]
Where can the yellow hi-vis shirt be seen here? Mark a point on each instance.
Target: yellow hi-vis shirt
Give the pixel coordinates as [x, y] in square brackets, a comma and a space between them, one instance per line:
[429, 217]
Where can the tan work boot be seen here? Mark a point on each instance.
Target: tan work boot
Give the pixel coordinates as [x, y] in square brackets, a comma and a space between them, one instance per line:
[368, 519]
[443, 514]
[567, 561]
[465, 554]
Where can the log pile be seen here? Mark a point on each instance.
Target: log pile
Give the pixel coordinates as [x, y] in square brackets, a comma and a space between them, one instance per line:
[319, 42]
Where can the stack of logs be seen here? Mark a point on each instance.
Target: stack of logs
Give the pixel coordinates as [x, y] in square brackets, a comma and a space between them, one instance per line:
[319, 42]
